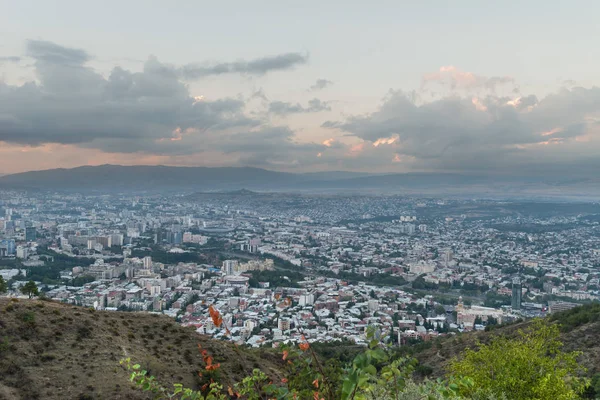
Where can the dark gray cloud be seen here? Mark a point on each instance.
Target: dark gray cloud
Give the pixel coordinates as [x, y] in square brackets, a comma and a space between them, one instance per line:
[259, 66]
[259, 94]
[150, 111]
[12, 59]
[320, 84]
[125, 112]
[491, 133]
[495, 81]
[53, 53]
[283, 108]
[267, 141]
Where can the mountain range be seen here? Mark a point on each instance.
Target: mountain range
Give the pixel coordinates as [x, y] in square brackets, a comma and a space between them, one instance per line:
[117, 178]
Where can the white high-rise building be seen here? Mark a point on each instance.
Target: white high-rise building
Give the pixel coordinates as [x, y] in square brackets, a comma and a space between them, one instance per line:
[117, 239]
[373, 305]
[249, 325]
[306, 299]
[447, 256]
[229, 267]
[22, 252]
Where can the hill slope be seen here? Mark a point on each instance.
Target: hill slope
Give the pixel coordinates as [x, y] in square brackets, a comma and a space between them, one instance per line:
[580, 331]
[54, 351]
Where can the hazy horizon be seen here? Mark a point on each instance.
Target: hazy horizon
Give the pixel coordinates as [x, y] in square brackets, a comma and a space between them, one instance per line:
[388, 87]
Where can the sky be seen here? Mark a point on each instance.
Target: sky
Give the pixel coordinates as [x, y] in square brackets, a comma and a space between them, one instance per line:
[506, 88]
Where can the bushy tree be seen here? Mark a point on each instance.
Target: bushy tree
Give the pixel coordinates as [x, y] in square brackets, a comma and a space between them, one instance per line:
[3, 285]
[30, 289]
[440, 310]
[530, 366]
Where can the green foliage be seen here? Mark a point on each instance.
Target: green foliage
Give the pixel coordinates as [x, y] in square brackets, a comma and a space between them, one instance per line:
[147, 383]
[594, 388]
[493, 299]
[577, 316]
[30, 289]
[382, 279]
[276, 278]
[376, 374]
[3, 285]
[343, 351]
[27, 316]
[420, 283]
[531, 366]
[258, 386]
[82, 280]
[385, 279]
[5, 346]
[54, 264]
[165, 257]
[440, 310]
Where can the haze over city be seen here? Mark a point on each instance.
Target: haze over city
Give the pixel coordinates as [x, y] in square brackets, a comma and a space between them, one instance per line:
[502, 89]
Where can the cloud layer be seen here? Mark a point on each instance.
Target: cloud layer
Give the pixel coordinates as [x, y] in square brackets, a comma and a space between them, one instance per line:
[283, 108]
[321, 84]
[258, 66]
[473, 123]
[12, 59]
[454, 79]
[493, 134]
[148, 112]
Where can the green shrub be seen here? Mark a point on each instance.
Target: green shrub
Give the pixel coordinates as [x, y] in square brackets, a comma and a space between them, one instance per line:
[83, 332]
[531, 366]
[28, 317]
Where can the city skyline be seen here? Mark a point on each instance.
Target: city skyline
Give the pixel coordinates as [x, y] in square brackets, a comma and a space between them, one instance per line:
[389, 87]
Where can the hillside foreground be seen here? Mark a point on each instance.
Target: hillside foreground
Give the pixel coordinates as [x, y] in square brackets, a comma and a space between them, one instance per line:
[50, 350]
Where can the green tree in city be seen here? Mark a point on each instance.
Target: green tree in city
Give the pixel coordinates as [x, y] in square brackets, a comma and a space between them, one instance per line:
[30, 289]
[3, 285]
[530, 366]
[440, 310]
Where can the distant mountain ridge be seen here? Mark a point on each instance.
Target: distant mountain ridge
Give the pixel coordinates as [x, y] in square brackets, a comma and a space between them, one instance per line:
[117, 178]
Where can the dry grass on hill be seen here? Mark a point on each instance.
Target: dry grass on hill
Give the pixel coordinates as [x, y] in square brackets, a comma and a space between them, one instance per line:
[50, 350]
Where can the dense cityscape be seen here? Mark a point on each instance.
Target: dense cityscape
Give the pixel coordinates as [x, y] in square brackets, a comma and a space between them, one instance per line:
[282, 266]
